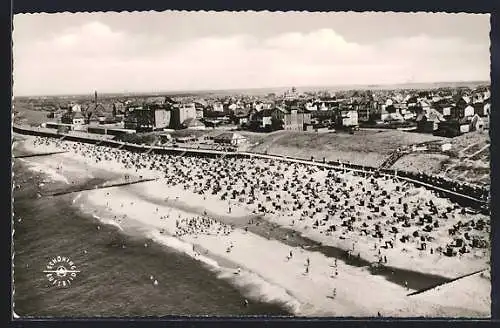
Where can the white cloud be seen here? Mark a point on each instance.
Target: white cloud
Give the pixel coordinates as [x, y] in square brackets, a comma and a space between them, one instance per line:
[93, 56]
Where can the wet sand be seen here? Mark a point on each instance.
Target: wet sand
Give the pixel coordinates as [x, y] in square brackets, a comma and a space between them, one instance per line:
[251, 252]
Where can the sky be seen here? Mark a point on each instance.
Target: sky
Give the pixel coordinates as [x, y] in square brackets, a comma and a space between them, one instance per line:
[68, 53]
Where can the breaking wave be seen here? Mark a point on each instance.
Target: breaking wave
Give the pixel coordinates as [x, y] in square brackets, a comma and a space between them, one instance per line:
[249, 283]
[45, 169]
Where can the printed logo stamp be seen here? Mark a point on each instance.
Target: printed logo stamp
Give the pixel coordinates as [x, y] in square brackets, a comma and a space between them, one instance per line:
[61, 271]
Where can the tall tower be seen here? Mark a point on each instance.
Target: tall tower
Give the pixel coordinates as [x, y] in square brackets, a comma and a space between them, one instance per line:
[95, 98]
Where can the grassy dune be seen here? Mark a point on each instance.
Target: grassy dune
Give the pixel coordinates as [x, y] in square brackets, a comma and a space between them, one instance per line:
[455, 164]
[367, 147]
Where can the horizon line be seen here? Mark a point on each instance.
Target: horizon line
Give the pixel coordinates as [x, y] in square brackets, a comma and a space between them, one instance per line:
[343, 87]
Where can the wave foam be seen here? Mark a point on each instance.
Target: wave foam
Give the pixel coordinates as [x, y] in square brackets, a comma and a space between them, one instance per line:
[251, 284]
[256, 287]
[107, 221]
[47, 170]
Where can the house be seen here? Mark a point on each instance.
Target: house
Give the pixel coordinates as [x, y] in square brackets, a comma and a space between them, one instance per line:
[363, 109]
[462, 102]
[390, 112]
[311, 106]
[199, 110]
[96, 114]
[477, 123]
[232, 107]
[296, 119]
[327, 104]
[182, 113]
[424, 105]
[454, 127]
[487, 108]
[265, 120]
[230, 138]
[461, 111]
[217, 107]
[76, 108]
[118, 109]
[482, 109]
[411, 101]
[428, 122]
[241, 116]
[75, 118]
[443, 106]
[147, 118]
[347, 118]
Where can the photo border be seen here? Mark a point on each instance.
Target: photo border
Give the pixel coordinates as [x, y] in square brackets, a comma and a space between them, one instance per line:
[47, 6]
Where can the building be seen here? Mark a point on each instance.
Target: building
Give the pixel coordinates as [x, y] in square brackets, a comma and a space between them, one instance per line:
[75, 108]
[428, 122]
[199, 110]
[347, 118]
[267, 119]
[75, 118]
[461, 111]
[218, 107]
[453, 128]
[118, 109]
[296, 120]
[241, 116]
[96, 114]
[230, 138]
[327, 104]
[477, 123]
[147, 118]
[443, 106]
[181, 113]
[364, 110]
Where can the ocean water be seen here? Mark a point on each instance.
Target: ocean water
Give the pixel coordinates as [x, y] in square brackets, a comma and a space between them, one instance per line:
[115, 267]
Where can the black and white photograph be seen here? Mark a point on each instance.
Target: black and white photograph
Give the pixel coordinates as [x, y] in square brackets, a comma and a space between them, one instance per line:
[251, 163]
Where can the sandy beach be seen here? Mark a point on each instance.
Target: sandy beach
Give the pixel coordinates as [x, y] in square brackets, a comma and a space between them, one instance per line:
[202, 207]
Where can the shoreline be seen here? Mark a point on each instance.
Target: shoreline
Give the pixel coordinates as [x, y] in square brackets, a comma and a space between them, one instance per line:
[449, 267]
[475, 200]
[217, 247]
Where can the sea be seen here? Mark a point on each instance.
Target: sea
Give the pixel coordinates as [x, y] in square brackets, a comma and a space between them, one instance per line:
[115, 268]
[118, 267]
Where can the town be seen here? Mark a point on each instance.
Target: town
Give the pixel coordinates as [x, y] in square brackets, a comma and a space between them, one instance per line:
[302, 164]
[443, 111]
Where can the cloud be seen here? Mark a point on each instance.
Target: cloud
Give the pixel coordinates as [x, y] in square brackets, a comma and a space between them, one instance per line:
[94, 56]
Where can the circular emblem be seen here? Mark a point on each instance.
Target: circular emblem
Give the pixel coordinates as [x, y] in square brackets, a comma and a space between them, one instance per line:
[61, 271]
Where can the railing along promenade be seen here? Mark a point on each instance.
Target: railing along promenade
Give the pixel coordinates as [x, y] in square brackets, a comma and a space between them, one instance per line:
[467, 194]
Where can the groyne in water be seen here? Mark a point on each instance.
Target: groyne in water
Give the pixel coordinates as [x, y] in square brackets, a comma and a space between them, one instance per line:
[102, 186]
[414, 280]
[41, 154]
[462, 193]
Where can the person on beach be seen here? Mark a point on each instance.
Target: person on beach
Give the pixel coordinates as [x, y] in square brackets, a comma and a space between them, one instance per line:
[295, 190]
